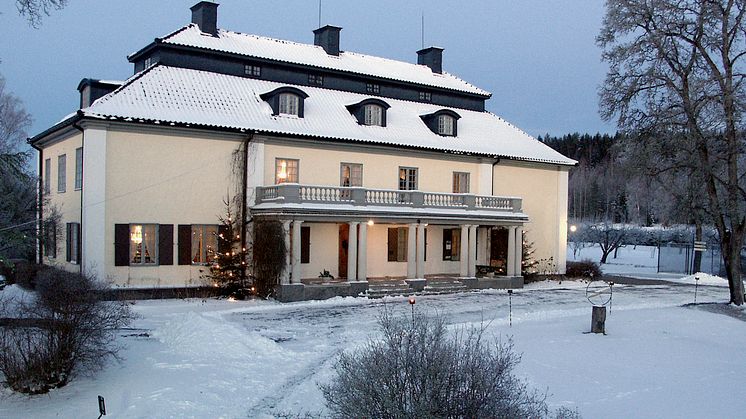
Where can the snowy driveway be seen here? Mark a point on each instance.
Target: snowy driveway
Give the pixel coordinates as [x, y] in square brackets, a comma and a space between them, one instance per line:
[259, 359]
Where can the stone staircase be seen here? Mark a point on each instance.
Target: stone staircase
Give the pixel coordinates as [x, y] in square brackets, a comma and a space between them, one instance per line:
[382, 287]
[444, 286]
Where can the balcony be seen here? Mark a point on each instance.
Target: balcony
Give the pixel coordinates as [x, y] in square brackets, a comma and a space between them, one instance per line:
[293, 193]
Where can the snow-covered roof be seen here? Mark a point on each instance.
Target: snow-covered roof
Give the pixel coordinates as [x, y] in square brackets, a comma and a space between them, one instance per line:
[312, 55]
[183, 96]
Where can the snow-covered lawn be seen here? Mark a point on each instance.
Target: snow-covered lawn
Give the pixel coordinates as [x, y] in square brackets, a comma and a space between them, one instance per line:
[215, 358]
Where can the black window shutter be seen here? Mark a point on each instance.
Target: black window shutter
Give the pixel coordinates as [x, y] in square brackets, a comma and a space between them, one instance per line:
[305, 244]
[393, 241]
[224, 242]
[185, 244]
[121, 244]
[165, 244]
[78, 256]
[68, 242]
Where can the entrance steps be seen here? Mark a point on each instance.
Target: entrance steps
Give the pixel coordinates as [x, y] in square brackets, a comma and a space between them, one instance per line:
[384, 287]
[444, 286]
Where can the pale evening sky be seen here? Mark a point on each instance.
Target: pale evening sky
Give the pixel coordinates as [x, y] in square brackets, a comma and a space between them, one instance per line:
[537, 57]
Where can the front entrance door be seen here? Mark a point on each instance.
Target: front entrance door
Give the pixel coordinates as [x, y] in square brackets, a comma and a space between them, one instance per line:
[499, 250]
[344, 236]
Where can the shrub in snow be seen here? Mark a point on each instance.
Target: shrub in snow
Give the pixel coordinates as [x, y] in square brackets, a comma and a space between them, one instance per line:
[583, 269]
[68, 328]
[418, 369]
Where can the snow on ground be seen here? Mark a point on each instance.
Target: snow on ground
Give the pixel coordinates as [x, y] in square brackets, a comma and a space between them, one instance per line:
[215, 358]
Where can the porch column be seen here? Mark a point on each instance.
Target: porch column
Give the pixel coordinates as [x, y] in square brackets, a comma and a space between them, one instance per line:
[362, 253]
[411, 252]
[464, 251]
[285, 279]
[352, 252]
[473, 251]
[511, 251]
[518, 250]
[295, 277]
[421, 251]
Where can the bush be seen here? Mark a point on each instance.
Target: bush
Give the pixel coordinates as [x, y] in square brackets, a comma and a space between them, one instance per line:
[66, 329]
[583, 269]
[419, 370]
[269, 256]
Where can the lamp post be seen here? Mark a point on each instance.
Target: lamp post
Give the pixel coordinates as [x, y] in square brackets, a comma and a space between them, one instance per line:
[510, 308]
[411, 303]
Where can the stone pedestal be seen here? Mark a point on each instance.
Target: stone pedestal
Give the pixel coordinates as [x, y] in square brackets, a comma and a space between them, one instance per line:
[598, 320]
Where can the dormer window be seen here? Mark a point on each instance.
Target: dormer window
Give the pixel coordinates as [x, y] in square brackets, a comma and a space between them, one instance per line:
[443, 122]
[286, 101]
[370, 112]
[288, 104]
[373, 115]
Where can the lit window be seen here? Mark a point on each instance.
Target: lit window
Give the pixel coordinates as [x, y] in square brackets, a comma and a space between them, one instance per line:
[425, 96]
[47, 175]
[61, 173]
[452, 244]
[315, 79]
[143, 246]
[373, 115]
[445, 125]
[407, 178]
[397, 244]
[351, 174]
[252, 70]
[288, 104]
[460, 182]
[204, 243]
[286, 171]
[78, 168]
[372, 88]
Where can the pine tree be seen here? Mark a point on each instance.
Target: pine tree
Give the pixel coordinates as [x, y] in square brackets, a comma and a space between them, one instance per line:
[528, 263]
[228, 268]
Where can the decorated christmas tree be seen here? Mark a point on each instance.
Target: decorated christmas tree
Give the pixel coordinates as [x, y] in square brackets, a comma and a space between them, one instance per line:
[228, 270]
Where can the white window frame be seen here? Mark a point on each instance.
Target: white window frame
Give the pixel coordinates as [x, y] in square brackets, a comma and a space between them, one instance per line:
[288, 104]
[446, 124]
[73, 241]
[61, 173]
[355, 174]
[153, 255]
[373, 114]
[47, 176]
[292, 167]
[252, 70]
[203, 230]
[79, 168]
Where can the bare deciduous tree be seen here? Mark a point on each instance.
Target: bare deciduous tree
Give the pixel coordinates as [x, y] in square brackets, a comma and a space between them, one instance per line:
[676, 67]
[35, 10]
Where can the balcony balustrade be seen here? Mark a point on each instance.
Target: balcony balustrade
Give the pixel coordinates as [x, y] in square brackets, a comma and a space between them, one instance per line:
[293, 193]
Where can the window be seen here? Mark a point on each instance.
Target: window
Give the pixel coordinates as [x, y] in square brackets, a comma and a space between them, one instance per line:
[315, 79]
[372, 88]
[452, 244]
[425, 96]
[204, 243]
[397, 244]
[407, 178]
[460, 182]
[50, 239]
[445, 125]
[351, 174]
[373, 115]
[73, 242]
[79, 168]
[143, 244]
[289, 104]
[61, 175]
[47, 176]
[148, 62]
[286, 171]
[252, 70]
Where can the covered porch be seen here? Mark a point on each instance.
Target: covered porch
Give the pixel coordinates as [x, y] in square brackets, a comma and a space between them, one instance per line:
[353, 237]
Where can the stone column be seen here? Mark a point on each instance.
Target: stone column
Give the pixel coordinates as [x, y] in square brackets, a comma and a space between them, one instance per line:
[464, 251]
[285, 279]
[420, 251]
[295, 278]
[362, 253]
[352, 252]
[518, 250]
[511, 251]
[411, 252]
[473, 251]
